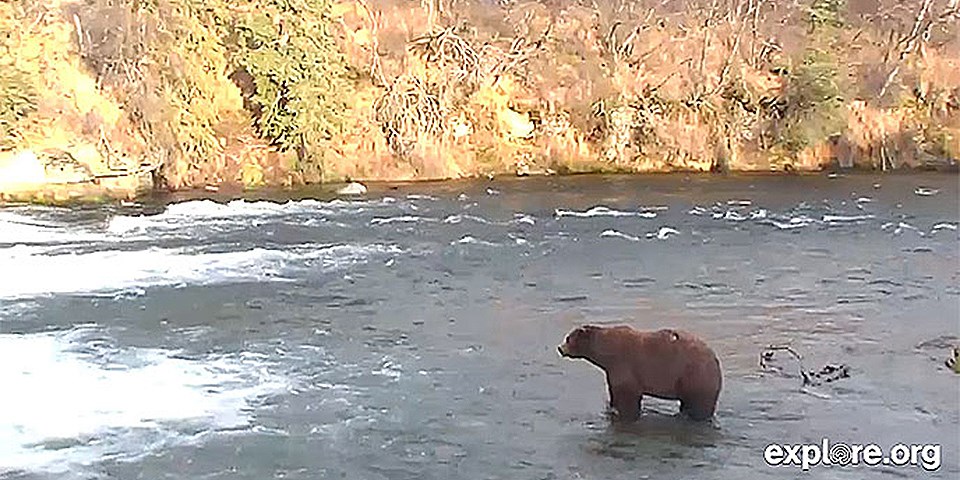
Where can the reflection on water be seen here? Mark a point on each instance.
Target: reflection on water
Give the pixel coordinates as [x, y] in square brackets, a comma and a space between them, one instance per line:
[412, 335]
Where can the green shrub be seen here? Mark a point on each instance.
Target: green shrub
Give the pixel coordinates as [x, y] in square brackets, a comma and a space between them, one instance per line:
[298, 72]
[815, 99]
[182, 98]
[18, 98]
[18, 94]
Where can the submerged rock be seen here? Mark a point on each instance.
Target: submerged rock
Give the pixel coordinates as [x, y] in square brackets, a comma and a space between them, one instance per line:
[352, 188]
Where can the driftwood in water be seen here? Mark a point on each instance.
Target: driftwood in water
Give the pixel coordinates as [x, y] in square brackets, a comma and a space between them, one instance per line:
[827, 374]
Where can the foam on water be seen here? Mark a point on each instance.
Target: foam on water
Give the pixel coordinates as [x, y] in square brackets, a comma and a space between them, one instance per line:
[16, 228]
[795, 218]
[523, 219]
[610, 233]
[663, 233]
[697, 210]
[70, 401]
[207, 211]
[602, 211]
[796, 222]
[20, 227]
[731, 215]
[400, 219]
[846, 218]
[39, 273]
[415, 196]
[234, 208]
[518, 219]
[246, 208]
[456, 219]
[471, 240]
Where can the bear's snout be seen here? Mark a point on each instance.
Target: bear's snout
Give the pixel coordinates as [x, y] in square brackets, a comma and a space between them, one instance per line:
[563, 352]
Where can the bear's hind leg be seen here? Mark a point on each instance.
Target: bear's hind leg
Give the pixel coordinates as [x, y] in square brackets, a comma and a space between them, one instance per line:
[697, 409]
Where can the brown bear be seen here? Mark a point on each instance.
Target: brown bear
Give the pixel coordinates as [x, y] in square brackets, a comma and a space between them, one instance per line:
[668, 364]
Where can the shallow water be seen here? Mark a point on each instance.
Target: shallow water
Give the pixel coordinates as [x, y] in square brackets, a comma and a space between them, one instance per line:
[413, 334]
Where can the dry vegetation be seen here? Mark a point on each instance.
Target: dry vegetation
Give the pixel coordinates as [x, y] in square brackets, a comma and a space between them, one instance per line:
[659, 86]
[287, 91]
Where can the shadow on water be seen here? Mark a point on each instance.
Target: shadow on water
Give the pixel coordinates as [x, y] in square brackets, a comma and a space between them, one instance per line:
[654, 435]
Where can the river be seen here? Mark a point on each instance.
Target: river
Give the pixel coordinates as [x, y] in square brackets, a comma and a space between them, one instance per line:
[412, 333]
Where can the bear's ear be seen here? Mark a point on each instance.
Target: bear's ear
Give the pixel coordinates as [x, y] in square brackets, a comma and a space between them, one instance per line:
[588, 329]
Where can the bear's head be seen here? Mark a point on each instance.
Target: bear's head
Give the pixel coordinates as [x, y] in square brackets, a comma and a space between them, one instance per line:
[579, 342]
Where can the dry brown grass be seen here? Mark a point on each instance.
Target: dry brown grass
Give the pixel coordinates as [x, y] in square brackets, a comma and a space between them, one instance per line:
[479, 87]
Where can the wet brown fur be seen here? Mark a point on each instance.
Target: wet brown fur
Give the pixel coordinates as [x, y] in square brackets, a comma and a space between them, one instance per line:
[667, 364]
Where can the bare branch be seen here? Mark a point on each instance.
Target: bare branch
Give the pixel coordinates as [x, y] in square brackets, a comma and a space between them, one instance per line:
[911, 43]
[376, 67]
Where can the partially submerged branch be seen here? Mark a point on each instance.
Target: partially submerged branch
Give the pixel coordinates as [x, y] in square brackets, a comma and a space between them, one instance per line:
[828, 373]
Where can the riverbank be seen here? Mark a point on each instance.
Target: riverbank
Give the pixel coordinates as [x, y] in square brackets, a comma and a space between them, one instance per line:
[139, 189]
[261, 94]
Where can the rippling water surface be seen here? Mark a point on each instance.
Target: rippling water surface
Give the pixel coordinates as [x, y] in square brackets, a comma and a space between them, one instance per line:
[412, 333]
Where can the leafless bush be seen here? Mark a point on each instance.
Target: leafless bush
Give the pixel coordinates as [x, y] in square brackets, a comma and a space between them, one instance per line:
[406, 111]
[448, 48]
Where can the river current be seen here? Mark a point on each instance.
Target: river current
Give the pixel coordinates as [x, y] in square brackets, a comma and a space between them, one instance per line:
[412, 333]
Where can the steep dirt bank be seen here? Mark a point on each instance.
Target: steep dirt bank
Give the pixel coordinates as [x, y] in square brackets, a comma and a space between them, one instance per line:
[113, 97]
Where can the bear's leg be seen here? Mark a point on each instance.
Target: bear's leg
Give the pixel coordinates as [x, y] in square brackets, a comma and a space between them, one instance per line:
[698, 408]
[625, 401]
